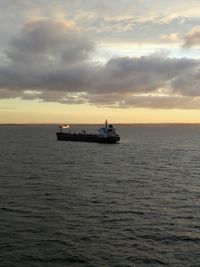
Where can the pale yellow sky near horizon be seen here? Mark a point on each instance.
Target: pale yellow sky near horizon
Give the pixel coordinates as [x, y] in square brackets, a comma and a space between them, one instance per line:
[25, 111]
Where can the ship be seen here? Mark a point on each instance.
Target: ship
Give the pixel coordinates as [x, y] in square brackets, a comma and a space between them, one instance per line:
[106, 134]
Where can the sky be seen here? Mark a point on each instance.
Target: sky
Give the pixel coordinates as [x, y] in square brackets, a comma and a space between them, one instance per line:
[76, 61]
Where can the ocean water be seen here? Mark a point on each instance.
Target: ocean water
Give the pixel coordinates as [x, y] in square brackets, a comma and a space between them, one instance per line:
[136, 203]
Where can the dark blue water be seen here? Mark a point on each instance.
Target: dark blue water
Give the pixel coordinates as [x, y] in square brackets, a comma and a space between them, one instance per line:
[136, 203]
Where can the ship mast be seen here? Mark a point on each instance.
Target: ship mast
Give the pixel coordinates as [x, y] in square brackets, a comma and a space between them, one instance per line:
[106, 123]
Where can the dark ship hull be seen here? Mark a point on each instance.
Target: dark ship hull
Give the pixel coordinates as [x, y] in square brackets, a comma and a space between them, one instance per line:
[93, 138]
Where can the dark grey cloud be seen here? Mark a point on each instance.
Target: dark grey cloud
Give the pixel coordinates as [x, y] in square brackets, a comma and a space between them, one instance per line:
[46, 55]
[51, 61]
[143, 74]
[188, 84]
[49, 41]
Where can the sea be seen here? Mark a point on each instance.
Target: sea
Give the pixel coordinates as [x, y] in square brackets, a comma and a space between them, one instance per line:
[135, 203]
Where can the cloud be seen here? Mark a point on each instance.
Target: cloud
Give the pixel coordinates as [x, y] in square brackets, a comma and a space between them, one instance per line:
[46, 54]
[51, 61]
[172, 37]
[46, 40]
[162, 102]
[192, 38]
[140, 75]
[188, 84]
[105, 21]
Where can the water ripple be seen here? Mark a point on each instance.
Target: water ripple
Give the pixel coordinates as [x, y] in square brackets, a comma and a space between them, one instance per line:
[82, 204]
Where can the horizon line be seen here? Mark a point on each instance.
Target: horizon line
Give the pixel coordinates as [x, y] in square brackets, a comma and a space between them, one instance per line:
[116, 123]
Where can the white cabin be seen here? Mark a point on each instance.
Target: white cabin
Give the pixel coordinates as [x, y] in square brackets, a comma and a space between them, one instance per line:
[107, 131]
